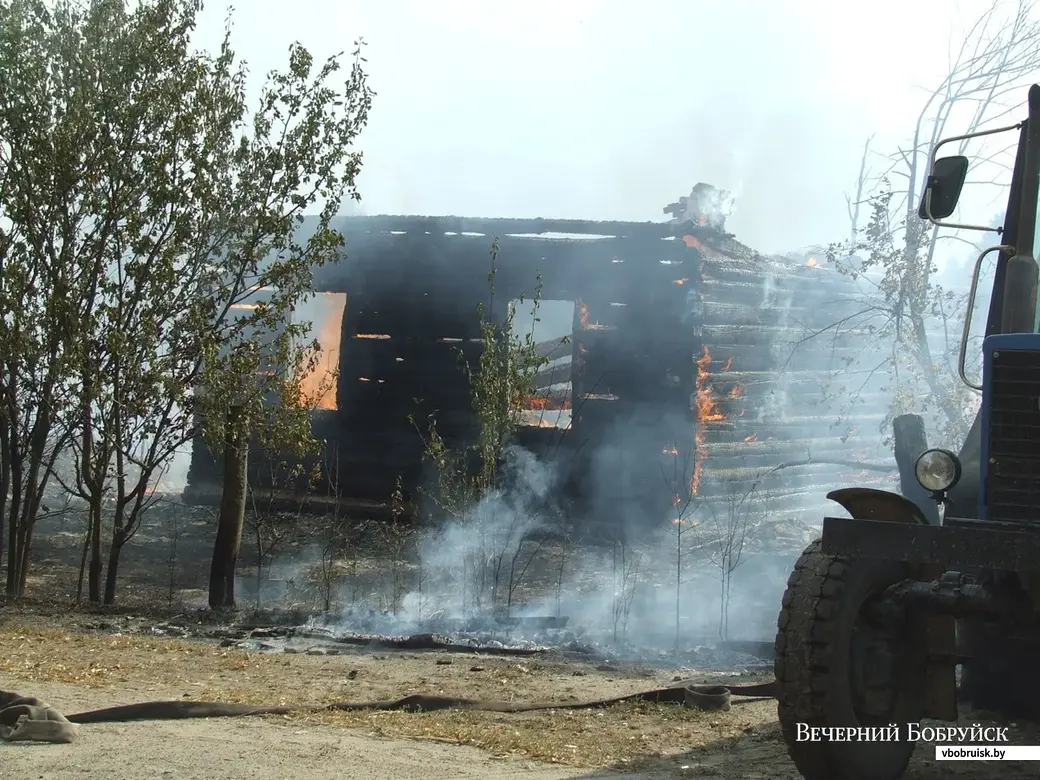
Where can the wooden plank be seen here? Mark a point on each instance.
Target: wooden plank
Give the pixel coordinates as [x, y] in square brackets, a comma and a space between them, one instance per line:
[494, 226]
[369, 398]
[411, 262]
[401, 319]
[372, 422]
[396, 358]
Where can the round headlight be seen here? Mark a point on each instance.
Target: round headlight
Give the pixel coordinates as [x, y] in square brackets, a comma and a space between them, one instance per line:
[937, 470]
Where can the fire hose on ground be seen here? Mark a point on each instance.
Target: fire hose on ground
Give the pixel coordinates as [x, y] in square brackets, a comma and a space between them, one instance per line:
[26, 718]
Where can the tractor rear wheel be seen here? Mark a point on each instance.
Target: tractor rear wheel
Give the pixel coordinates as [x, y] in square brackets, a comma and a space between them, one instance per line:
[840, 663]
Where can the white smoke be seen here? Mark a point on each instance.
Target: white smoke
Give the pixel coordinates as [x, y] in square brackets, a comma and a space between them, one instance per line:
[706, 205]
[472, 563]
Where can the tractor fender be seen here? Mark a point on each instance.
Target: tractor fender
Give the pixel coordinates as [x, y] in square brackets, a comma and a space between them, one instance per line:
[872, 504]
[940, 631]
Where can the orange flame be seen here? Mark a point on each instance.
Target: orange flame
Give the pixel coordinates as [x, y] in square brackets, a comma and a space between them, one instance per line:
[728, 366]
[318, 386]
[681, 282]
[541, 402]
[737, 391]
[812, 263]
[707, 411]
[752, 437]
[583, 318]
[692, 242]
[707, 408]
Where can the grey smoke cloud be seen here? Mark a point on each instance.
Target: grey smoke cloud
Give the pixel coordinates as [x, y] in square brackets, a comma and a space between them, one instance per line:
[610, 110]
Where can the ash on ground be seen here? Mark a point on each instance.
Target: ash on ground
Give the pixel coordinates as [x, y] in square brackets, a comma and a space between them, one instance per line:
[325, 635]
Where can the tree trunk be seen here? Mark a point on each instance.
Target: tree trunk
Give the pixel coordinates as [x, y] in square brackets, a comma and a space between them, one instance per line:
[118, 540]
[83, 562]
[25, 546]
[36, 479]
[121, 533]
[13, 510]
[5, 475]
[232, 513]
[12, 549]
[94, 572]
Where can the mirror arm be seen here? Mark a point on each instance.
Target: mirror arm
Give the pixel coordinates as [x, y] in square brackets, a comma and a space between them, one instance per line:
[931, 166]
[1010, 251]
[967, 136]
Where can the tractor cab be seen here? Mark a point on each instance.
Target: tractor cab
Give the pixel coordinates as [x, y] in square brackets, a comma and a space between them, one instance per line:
[896, 614]
[1012, 312]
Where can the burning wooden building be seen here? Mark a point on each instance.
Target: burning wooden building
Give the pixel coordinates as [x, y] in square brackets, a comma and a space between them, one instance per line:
[684, 369]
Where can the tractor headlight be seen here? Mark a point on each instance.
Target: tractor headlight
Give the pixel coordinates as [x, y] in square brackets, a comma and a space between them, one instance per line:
[937, 470]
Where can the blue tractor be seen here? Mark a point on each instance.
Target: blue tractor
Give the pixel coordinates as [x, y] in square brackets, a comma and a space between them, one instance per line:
[900, 613]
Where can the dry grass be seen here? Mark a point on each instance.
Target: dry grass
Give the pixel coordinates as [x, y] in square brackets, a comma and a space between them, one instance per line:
[149, 668]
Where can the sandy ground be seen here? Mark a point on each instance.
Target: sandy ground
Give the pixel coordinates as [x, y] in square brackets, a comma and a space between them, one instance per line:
[257, 749]
[266, 749]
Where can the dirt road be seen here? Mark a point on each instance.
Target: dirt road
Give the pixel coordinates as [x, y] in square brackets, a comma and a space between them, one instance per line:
[229, 749]
[271, 749]
[283, 749]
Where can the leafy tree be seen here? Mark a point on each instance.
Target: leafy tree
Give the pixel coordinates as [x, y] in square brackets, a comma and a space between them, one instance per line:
[915, 321]
[151, 250]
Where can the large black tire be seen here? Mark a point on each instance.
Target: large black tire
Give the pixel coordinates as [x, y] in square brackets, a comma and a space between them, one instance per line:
[822, 609]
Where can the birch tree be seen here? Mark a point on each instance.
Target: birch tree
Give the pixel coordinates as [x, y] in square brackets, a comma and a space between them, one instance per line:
[915, 321]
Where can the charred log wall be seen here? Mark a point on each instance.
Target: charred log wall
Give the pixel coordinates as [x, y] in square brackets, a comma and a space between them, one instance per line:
[790, 393]
[679, 367]
[414, 293]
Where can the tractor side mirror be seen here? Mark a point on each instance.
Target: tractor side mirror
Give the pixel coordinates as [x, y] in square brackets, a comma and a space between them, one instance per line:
[943, 188]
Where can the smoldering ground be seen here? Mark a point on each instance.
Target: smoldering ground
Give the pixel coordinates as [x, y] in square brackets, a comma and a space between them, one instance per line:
[639, 563]
[516, 565]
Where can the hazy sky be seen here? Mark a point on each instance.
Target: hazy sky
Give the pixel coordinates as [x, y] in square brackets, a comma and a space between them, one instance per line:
[610, 110]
